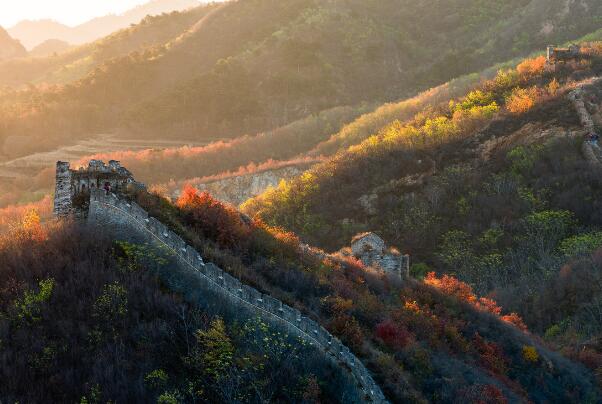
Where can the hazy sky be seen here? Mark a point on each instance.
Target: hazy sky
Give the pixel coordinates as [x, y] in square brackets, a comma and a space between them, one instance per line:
[71, 12]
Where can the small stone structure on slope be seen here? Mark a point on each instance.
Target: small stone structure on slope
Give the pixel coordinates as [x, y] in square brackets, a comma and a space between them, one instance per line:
[72, 193]
[373, 252]
[560, 55]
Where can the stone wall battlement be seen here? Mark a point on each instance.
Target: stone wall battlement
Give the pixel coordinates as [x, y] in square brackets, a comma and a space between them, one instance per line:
[109, 209]
[74, 185]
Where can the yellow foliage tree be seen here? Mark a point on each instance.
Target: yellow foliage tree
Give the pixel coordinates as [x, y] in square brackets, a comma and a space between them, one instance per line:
[530, 354]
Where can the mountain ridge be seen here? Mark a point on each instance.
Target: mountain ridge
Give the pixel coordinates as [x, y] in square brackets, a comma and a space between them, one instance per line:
[10, 48]
[34, 33]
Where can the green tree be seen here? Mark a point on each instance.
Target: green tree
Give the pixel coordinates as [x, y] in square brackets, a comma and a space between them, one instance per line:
[217, 348]
[581, 244]
[29, 307]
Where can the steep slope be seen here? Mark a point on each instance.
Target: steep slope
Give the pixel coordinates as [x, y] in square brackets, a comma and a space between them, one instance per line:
[150, 32]
[497, 188]
[435, 341]
[34, 33]
[229, 78]
[84, 318]
[10, 48]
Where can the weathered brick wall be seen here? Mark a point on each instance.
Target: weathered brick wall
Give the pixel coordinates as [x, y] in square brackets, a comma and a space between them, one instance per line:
[128, 219]
[592, 153]
[62, 192]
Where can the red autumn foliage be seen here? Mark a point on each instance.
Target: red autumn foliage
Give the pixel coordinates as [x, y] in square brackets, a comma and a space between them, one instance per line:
[212, 218]
[454, 287]
[515, 320]
[491, 355]
[393, 334]
[348, 329]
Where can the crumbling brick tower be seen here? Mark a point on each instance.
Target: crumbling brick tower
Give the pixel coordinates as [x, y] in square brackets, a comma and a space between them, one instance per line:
[73, 186]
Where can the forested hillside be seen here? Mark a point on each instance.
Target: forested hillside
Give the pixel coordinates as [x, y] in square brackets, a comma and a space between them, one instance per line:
[150, 32]
[492, 188]
[432, 341]
[86, 319]
[490, 181]
[260, 64]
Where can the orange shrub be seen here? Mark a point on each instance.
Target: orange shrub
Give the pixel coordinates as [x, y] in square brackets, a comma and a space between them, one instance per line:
[522, 100]
[212, 218]
[454, 287]
[532, 67]
[451, 286]
[515, 320]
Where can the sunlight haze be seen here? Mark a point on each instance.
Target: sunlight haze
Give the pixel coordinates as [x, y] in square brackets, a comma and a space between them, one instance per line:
[70, 12]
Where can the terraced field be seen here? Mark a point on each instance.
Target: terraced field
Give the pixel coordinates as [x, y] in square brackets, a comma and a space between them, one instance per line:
[33, 163]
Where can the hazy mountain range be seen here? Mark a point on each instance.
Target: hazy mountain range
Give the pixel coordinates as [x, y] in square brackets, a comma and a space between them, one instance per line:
[33, 33]
[9, 47]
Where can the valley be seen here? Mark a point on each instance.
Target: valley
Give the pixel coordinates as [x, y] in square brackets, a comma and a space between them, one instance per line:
[34, 163]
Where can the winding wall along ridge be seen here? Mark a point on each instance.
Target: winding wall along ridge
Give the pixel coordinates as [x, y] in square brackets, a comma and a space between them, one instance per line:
[590, 152]
[116, 211]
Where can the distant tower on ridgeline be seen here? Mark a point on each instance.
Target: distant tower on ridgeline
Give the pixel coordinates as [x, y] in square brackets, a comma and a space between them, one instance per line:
[72, 192]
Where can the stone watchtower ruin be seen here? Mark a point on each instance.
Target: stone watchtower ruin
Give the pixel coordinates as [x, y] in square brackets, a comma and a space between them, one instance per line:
[373, 252]
[73, 186]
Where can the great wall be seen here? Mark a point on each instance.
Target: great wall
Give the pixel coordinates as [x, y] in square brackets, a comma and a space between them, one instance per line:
[591, 151]
[126, 220]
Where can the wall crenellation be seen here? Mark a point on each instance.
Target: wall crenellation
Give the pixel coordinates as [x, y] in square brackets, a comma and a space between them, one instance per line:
[110, 208]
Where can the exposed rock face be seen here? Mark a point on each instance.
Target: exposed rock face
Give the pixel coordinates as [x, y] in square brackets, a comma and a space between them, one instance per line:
[236, 190]
[10, 48]
[368, 203]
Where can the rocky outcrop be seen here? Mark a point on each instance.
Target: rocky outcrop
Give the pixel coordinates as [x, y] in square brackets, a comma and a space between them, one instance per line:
[237, 189]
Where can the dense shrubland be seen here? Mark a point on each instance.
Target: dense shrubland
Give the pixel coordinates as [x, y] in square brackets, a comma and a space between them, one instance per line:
[416, 338]
[85, 319]
[491, 189]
